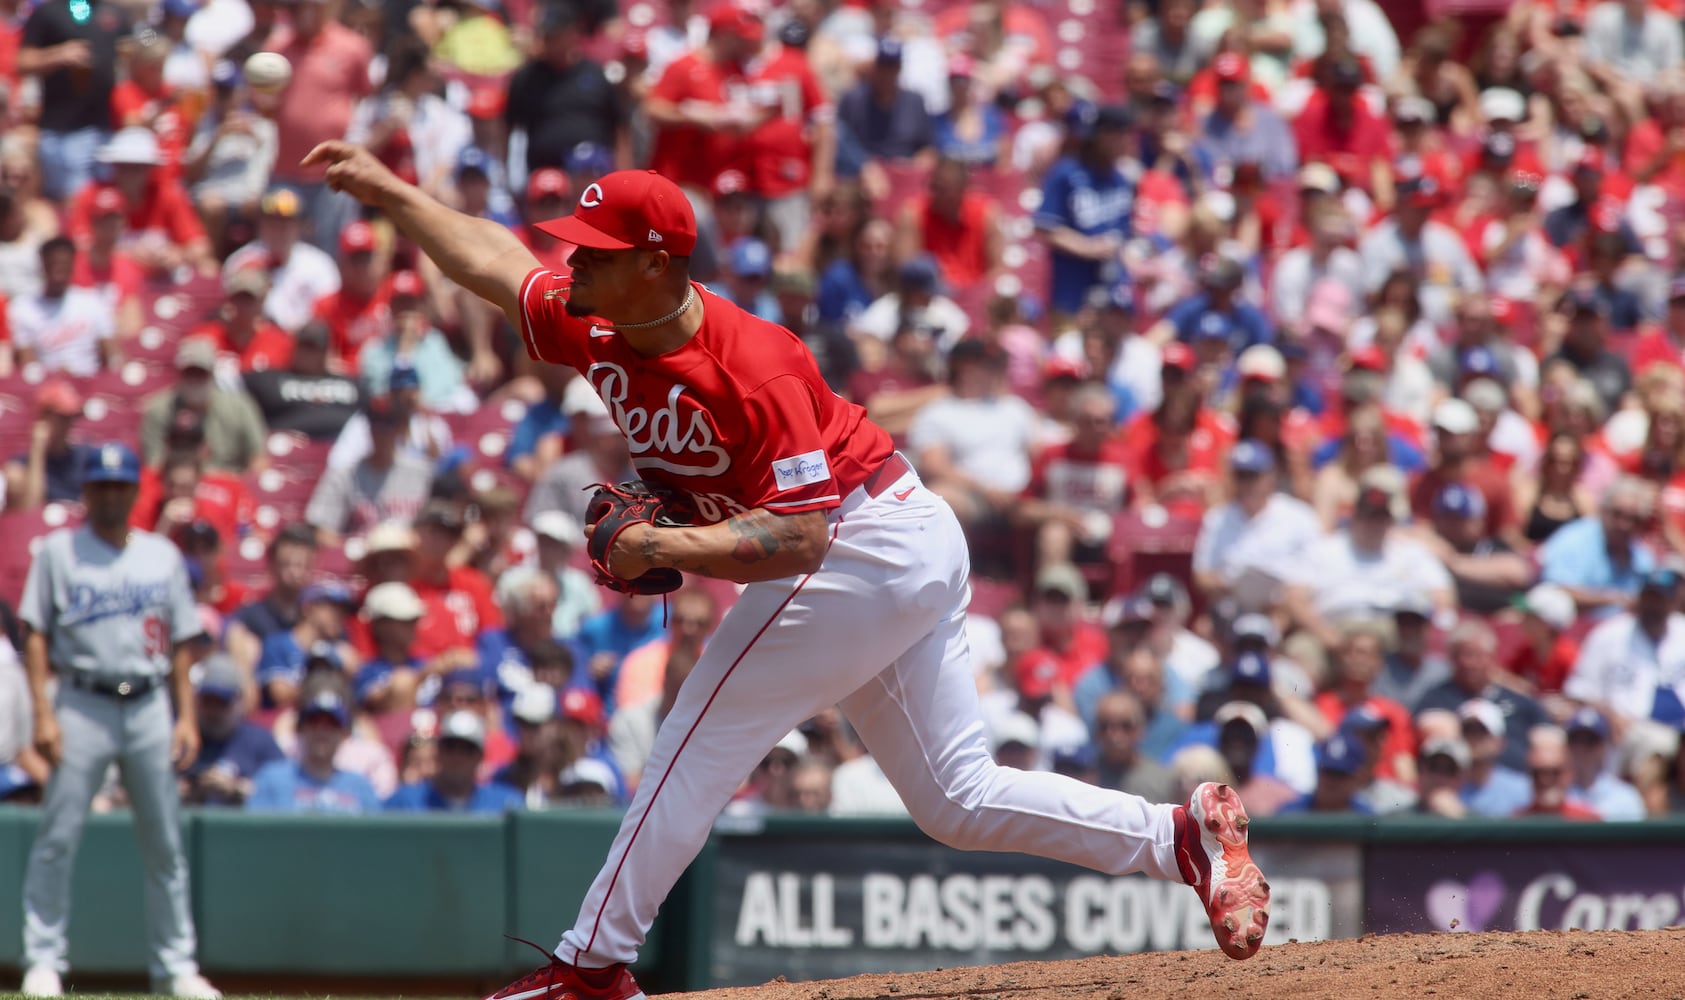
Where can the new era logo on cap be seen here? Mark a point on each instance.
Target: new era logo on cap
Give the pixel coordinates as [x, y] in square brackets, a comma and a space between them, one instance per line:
[629, 209]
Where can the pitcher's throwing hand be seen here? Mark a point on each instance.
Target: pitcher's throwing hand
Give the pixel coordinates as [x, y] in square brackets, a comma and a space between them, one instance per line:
[354, 170]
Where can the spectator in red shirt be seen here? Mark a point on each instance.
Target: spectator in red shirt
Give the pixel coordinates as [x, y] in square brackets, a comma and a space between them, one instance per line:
[1075, 644]
[1175, 462]
[330, 75]
[1664, 344]
[182, 490]
[1541, 662]
[1547, 765]
[1077, 488]
[108, 270]
[1337, 127]
[548, 197]
[144, 100]
[1458, 459]
[957, 227]
[793, 151]
[241, 328]
[700, 107]
[161, 230]
[357, 313]
[1357, 661]
[1655, 145]
[458, 598]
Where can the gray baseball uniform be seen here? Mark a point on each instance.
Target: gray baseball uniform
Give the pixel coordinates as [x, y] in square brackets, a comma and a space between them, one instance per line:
[112, 619]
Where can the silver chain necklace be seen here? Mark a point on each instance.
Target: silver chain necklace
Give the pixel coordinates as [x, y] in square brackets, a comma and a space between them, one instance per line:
[690, 296]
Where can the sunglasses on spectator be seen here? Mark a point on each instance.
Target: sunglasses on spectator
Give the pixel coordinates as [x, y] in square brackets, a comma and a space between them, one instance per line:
[1122, 724]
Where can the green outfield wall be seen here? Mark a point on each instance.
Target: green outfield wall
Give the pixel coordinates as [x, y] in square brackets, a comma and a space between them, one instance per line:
[385, 898]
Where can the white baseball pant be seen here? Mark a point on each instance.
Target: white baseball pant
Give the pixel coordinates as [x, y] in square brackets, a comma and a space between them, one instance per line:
[892, 590]
[99, 729]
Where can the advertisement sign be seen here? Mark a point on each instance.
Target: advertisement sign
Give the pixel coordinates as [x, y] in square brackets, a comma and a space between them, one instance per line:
[822, 907]
[1524, 887]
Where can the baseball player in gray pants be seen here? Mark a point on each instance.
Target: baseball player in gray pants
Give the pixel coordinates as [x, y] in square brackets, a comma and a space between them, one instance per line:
[110, 611]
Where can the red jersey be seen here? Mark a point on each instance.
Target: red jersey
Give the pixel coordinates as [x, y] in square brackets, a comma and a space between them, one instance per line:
[269, 348]
[1655, 346]
[687, 155]
[958, 245]
[1350, 151]
[458, 610]
[162, 212]
[220, 498]
[352, 323]
[739, 415]
[777, 156]
[1062, 474]
[1644, 144]
[119, 279]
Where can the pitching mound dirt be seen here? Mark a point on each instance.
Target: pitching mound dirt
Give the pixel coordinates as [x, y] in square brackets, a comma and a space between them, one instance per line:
[1542, 965]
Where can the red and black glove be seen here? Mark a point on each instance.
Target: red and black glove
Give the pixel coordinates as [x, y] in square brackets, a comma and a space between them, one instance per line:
[613, 509]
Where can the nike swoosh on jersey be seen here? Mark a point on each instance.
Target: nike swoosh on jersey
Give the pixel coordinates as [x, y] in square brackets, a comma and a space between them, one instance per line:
[597, 331]
[904, 494]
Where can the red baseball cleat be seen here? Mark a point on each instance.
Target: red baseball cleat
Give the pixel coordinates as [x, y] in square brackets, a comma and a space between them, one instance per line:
[561, 981]
[1211, 851]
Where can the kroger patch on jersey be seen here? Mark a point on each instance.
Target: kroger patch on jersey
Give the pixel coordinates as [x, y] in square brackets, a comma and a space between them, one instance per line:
[802, 470]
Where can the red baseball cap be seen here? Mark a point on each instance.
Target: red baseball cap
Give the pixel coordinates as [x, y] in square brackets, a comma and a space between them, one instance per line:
[358, 237]
[1231, 66]
[626, 210]
[731, 19]
[730, 182]
[1369, 358]
[487, 101]
[548, 182]
[407, 284]
[1178, 355]
[109, 201]
[1592, 159]
[58, 395]
[581, 705]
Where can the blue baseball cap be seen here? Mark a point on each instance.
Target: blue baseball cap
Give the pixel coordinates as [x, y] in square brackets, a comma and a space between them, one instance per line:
[180, 8]
[326, 590]
[750, 258]
[920, 273]
[1660, 579]
[1476, 361]
[14, 779]
[588, 158]
[468, 677]
[225, 74]
[404, 376]
[1250, 667]
[473, 158]
[1460, 500]
[1339, 755]
[326, 702]
[1588, 720]
[1075, 758]
[1363, 719]
[111, 463]
[1081, 116]
[1251, 457]
[889, 52]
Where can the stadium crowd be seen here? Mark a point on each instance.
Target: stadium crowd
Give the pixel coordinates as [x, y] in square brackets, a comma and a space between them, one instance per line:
[1311, 386]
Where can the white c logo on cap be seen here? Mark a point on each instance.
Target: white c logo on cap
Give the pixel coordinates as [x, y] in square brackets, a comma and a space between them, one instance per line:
[591, 197]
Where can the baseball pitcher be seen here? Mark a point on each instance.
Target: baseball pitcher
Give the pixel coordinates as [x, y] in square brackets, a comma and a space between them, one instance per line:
[755, 471]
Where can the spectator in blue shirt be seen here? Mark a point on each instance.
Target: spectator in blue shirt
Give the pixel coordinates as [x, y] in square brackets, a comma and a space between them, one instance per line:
[312, 784]
[1599, 559]
[1591, 782]
[388, 680]
[58, 406]
[888, 121]
[1490, 789]
[483, 186]
[231, 750]
[1240, 130]
[536, 439]
[606, 638]
[1086, 202]
[456, 787]
[584, 723]
[748, 271]
[850, 284]
[1216, 306]
[320, 631]
[1161, 144]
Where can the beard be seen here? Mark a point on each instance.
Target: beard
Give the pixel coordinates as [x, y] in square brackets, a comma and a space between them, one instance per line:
[577, 309]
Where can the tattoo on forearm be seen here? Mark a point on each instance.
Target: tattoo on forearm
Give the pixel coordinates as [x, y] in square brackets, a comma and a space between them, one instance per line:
[756, 537]
[649, 548]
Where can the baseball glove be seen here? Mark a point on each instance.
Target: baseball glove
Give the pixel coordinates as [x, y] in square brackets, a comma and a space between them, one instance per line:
[613, 509]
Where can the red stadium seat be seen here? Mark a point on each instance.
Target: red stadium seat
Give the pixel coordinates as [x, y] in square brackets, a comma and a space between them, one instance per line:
[20, 533]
